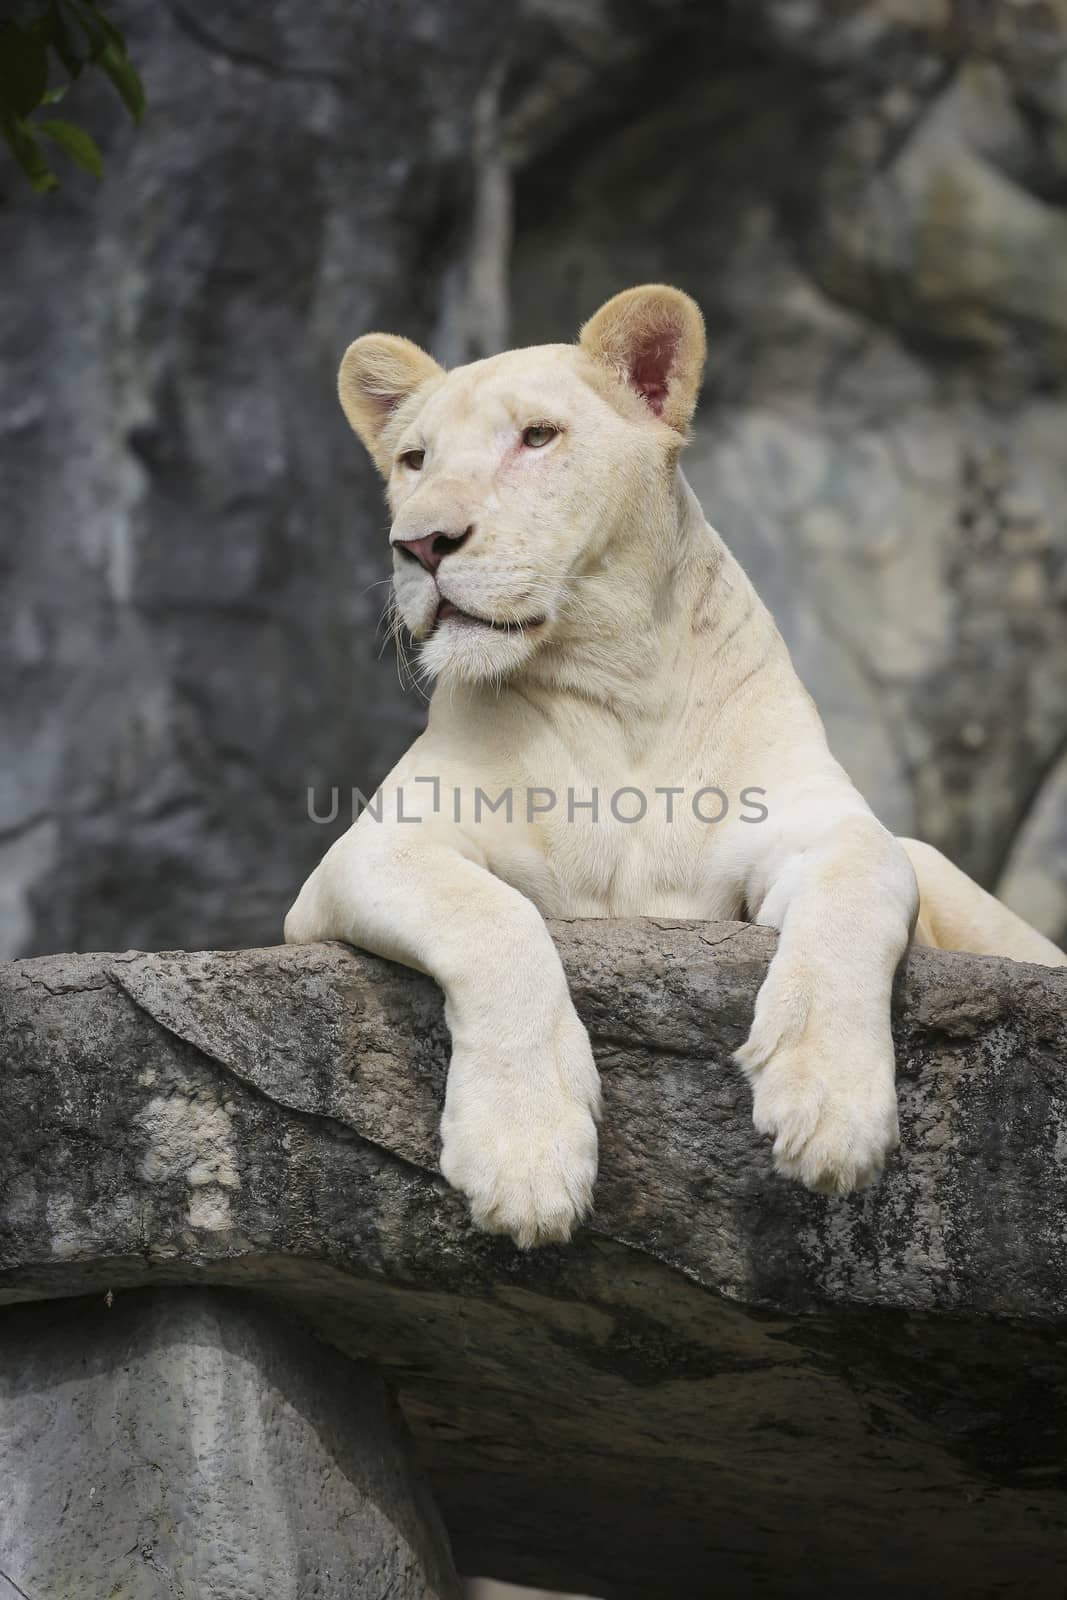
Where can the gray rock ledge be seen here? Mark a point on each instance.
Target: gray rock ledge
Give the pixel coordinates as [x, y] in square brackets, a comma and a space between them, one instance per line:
[724, 1384]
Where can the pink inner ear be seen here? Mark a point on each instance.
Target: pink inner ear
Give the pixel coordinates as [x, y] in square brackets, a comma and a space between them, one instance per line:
[650, 370]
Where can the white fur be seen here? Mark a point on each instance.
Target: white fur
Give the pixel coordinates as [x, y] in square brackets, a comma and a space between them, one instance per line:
[650, 662]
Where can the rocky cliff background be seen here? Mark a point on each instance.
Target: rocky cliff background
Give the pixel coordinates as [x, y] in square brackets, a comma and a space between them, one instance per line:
[869, 201]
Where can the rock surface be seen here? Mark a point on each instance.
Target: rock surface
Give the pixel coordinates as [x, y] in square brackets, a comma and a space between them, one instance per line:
[870, 201]
[179, 1444]
[191, 539]
[723, 1379]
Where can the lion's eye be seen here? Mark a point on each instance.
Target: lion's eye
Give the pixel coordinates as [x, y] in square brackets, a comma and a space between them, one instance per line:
[413, 459]
[537, 437]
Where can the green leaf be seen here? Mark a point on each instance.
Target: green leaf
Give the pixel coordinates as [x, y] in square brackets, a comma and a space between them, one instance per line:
[23, 70]
[80, 34]
[121, 71]
[27, 153]
[108, 28]
[76, 142]
[64, 40]
[98, 29]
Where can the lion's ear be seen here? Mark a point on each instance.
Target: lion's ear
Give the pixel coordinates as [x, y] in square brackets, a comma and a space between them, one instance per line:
[378, 373]
[653, 339]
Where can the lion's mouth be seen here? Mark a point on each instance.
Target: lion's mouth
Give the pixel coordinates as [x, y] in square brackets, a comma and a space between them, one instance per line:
[448, 611]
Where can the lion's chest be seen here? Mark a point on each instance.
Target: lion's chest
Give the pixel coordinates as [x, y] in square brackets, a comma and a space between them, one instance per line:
[616, 822]
[625, 850]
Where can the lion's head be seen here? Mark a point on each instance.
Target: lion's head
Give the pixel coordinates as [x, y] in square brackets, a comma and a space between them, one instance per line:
[513, 479]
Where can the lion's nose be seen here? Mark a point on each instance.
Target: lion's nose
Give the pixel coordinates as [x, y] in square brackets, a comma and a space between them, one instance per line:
[430, 550]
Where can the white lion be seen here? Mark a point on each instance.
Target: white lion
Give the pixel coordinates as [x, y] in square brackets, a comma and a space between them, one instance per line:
[610, 682]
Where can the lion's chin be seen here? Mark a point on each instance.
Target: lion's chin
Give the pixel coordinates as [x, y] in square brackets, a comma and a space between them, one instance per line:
[467, 652]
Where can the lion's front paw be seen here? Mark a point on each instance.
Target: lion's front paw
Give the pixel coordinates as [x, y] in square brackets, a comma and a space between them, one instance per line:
[832, 1124]
[518, 1137]
[534, 1182]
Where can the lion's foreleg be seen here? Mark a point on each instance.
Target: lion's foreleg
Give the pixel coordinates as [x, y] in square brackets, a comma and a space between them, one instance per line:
[518, 1133]
[820, 1053]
